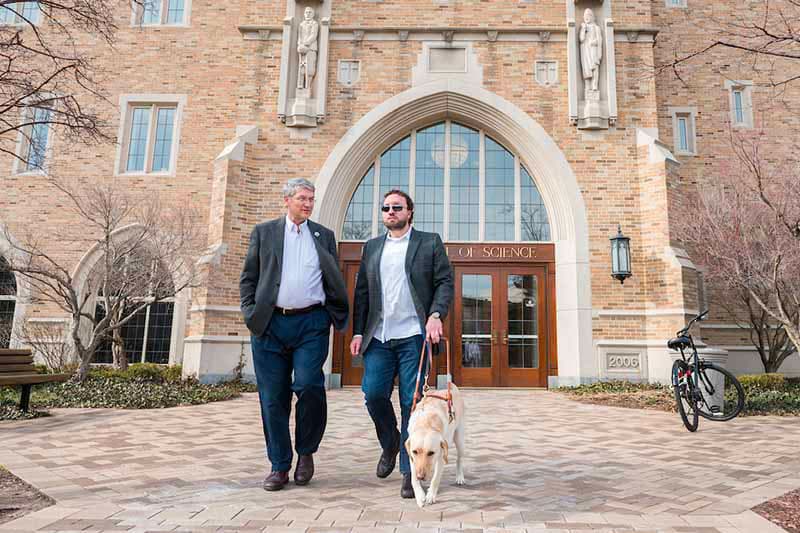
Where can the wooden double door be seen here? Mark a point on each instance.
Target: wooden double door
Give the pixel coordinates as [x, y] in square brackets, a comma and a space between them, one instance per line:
[500, 325]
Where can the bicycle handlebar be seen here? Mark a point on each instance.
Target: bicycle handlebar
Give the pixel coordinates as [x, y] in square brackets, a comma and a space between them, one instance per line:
[698, 318]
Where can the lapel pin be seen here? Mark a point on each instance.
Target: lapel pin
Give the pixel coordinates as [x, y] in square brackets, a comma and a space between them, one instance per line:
[316, 234]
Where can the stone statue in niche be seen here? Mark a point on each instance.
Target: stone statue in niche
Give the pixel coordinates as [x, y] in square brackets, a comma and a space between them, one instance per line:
[591, 39]
[307, 48]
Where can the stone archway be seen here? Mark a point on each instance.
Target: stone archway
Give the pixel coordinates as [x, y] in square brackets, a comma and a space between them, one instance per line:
[472, 105]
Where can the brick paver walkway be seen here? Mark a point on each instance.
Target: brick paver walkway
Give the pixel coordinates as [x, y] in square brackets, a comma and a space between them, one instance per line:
[537, 462]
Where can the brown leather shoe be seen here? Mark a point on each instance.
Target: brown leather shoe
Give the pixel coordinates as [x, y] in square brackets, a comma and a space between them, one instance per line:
[304, 470]
[275, 480]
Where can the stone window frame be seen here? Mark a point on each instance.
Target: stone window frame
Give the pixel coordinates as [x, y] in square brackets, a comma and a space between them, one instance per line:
[690, 114]
[137, 14]
[23, 145]
[18, 21]
[339, 71]
[127, 104]
[745, 88]
[546, 83]
[677, 4]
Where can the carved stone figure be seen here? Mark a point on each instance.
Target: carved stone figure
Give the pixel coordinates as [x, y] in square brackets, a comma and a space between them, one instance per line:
[591, 40]
[307, 48]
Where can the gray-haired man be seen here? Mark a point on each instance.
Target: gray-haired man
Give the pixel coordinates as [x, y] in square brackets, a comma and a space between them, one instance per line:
[291, 292]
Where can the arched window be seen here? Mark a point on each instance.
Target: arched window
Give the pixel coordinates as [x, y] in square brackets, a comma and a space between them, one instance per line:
[8, 302]
[466, 186]
[147, 337]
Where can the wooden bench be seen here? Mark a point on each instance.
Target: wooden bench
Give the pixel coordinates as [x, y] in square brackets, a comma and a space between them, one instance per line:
[16, 368]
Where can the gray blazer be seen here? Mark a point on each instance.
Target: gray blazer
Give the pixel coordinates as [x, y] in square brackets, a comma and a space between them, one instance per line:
[261, 275]
[429, 278]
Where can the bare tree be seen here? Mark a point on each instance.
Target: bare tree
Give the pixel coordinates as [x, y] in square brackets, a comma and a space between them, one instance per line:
[48, 80]
[146, 252]
[49, 341]
[762, 35]
[768, 337]
[745, 231]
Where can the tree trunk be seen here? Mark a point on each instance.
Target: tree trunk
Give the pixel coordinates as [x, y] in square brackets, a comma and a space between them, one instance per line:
[118, 351]
[83, 369]
[771, 366]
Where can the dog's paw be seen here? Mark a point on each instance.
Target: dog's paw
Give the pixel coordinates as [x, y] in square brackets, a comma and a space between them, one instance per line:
[460, 480]
[430, 498]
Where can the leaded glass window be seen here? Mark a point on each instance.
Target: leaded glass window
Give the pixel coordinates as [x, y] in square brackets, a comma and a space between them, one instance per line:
[8, 302]
[145, 338]
[466, 186]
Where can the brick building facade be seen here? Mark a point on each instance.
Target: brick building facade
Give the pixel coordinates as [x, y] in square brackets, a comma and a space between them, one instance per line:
[479, 109]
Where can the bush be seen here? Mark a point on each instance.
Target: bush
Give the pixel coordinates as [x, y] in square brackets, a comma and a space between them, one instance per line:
[106, 387]
[765, 394]
[173, 374]
[141, 372]
[773, 382]
[610, 387]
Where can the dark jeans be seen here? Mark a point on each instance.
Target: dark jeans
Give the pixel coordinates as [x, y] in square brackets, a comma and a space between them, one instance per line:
[298, 344]
[382, 362]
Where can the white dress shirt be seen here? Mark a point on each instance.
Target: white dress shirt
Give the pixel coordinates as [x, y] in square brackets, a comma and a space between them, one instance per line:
[301, 277]
[399, 317]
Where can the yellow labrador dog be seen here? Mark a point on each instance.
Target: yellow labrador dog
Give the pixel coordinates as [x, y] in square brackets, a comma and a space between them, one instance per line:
[430, 429]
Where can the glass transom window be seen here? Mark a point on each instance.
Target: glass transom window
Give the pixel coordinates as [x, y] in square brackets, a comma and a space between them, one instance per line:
[466, 187]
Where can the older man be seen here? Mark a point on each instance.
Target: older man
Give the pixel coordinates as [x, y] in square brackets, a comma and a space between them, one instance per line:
[403, 292]
[291, 292]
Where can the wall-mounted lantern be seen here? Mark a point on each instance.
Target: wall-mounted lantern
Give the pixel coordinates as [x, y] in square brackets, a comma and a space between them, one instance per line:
[620, 256]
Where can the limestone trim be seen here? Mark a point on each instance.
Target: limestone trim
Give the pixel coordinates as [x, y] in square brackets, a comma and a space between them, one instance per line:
[234, 150]
[470, 72]
[216, 309]
[254, 32]
[643, 312]
[658, 152]
[476, 107]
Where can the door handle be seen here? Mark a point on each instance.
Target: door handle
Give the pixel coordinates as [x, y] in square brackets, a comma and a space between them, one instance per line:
[505, 337]
[494, 337]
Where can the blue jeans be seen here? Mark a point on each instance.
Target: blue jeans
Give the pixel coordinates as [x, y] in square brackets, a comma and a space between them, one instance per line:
[382, 362]
[292, 344]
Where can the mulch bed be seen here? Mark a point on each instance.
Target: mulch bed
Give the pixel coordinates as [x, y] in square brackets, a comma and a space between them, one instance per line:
[783, 511]
[17, 498]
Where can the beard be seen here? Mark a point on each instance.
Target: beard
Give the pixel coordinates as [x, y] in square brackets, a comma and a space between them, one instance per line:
[395, 224]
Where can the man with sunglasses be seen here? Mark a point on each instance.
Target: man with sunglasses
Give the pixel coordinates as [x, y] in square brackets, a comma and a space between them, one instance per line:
[291, 292]
[403, 291]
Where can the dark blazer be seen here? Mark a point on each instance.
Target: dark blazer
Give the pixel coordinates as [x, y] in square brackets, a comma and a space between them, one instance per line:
[429, 278]
[261, 275]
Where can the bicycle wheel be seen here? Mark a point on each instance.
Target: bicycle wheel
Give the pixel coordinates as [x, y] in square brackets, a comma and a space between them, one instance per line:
[683, 387]
[723, 395]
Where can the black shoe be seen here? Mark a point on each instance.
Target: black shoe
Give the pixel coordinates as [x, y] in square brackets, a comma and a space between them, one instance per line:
[275, 481]
[407, 491]
[388, 461]
[304, 470]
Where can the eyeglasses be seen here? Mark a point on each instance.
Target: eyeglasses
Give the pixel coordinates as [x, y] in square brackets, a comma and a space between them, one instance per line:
[396, 208]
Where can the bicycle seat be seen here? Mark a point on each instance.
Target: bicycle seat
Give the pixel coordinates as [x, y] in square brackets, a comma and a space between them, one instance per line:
[679, 342]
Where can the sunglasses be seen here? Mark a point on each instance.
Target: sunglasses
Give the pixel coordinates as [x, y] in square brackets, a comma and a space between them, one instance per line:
[396, 208]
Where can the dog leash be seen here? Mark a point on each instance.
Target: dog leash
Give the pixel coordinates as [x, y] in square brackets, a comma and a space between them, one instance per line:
[447, 395]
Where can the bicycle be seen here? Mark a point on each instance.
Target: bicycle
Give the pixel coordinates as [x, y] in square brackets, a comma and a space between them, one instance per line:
[702, 388]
